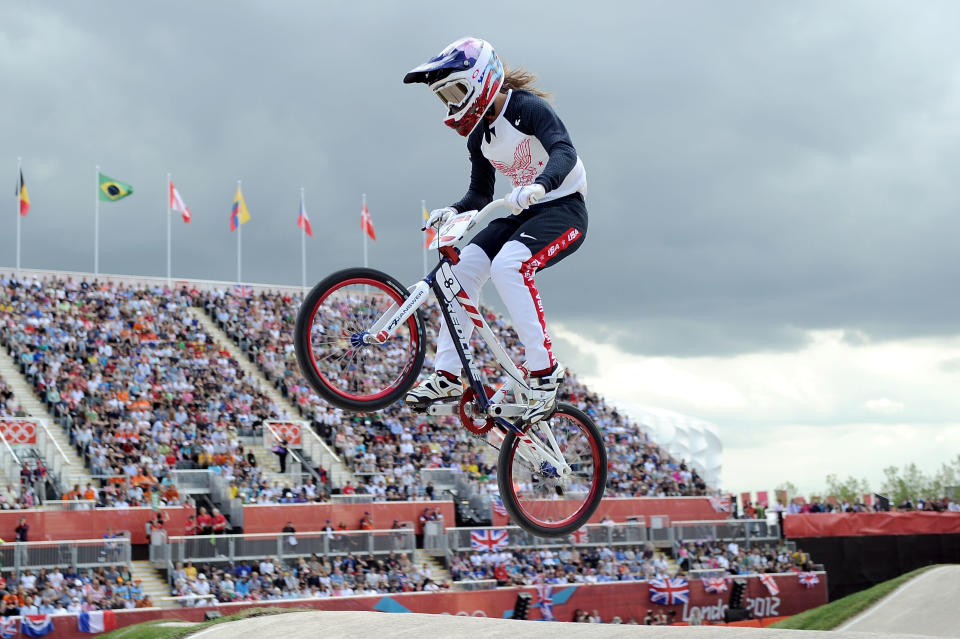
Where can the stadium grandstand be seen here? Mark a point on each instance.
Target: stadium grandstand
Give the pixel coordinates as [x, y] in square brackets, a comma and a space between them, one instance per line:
[176, 412]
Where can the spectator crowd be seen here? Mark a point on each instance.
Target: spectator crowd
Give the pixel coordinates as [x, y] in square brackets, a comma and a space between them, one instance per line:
[68, 591]
[305, 578]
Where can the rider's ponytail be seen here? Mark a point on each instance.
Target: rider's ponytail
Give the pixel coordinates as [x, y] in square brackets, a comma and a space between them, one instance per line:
[520, 78]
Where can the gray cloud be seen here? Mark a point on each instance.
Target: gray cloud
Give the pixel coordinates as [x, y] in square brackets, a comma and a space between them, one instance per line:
[755, 171]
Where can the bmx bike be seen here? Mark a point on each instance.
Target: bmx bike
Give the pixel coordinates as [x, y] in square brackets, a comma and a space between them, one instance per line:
[360, 343]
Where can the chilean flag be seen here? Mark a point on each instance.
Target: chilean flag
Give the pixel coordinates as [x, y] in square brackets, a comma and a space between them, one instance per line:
[36, 625]
[96, 621]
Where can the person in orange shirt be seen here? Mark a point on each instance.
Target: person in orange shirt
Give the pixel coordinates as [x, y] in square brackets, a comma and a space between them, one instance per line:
[90, 494]
[171, 493]
[366, 523]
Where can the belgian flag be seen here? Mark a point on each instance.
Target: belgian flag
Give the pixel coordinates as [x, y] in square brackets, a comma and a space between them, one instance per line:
[112, 190]
[23, 196]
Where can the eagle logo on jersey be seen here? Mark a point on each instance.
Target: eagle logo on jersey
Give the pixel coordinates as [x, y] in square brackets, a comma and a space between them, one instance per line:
[520, 172]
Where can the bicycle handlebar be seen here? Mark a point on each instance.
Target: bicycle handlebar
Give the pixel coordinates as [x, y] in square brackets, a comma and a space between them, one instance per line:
[485, 211]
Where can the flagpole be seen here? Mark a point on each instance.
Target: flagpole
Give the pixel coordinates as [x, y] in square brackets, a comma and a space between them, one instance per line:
[363, 229]
[423, 207]
[96, 225]
[169, 279]
[19, 195]
[239, 232]
[303, 248]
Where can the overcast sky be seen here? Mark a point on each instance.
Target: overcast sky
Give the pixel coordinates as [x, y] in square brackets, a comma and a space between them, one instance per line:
[774, 190]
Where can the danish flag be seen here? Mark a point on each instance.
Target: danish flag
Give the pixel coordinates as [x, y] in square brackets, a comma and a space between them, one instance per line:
[714, 584]
[669, 592]
[808, 579]
[770, 583]
[489, 540]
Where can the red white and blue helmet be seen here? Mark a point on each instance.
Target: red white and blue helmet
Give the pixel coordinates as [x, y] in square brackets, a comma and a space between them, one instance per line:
[466, 76]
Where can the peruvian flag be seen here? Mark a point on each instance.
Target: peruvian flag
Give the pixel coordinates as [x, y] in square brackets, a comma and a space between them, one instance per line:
[176, 203]
[770, 583]
[366, 223]
[302, 220]
[96, 621]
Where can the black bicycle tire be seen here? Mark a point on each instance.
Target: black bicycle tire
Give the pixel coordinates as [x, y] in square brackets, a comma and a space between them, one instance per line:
[301, 341]
[505, 461]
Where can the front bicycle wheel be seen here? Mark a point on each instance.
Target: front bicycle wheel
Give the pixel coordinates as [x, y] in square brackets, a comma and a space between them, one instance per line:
[331, 350]
[553, 476]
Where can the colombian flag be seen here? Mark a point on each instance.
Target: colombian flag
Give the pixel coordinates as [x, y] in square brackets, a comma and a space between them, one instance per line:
[239, 214]
[23, 196]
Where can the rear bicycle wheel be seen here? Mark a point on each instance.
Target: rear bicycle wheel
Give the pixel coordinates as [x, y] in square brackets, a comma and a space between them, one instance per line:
[329, 340]
[540, 498]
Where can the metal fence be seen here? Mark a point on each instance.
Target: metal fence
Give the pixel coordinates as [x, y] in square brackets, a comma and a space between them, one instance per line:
[459, 539]
[743, 531]
[82, 553]
[9, 462]
[282, 546]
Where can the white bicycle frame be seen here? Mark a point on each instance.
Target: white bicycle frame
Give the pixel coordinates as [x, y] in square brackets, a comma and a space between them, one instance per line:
[536, 449]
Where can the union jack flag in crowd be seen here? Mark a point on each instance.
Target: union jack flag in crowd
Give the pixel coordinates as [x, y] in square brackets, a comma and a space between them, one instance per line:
[808, 579]
[720, 504]
[545, 594]
[714, 584]
[669, 592]
[9, 627]
[770, 583]
[241, 290]
[497, 504]
[489, 540]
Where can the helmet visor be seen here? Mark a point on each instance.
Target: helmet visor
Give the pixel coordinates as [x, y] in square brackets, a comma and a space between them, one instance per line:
[453, 94]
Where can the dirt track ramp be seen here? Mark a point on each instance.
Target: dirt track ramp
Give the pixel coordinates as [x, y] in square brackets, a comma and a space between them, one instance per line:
[324, 624]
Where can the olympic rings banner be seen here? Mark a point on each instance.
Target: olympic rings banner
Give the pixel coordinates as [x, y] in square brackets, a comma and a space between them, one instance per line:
[289, 430]
[19, 431]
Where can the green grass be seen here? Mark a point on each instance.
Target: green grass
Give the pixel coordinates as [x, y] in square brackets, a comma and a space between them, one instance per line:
[153, 629]
[831, 615]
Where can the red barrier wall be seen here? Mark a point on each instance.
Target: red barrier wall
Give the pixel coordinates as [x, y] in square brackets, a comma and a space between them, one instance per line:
[52, 525]
[861, 524]
[271, 518]
[677, 508]
[626, 599]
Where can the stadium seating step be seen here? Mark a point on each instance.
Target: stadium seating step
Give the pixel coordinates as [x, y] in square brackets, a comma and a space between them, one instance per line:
[432, 566]
[153, 583]
[76, 472]
[339, 473]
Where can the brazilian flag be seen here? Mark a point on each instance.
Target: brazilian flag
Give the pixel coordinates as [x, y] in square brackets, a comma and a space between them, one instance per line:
[112, 190]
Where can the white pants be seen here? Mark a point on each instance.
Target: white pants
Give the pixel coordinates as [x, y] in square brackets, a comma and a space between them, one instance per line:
[512, 274]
